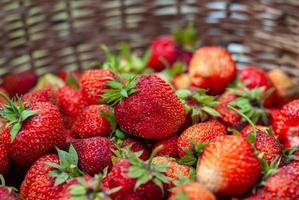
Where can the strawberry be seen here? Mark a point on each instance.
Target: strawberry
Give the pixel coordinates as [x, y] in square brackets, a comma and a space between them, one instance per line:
[94, 154]
[200, 133]
[7, 193]
[229, 166]
[264, 143]
[47, 94]
[164, 53]
[146, 107]
[228, 117]
[174, 170]
[137, 179]
[70, 101]
[2, 100]
[31, 132]
[19, 83]
[137, 145]
[254, 77]
[49, 174]
[4, 157]
[286, 124]
[93, 82]
[169, 146]
[212, 68]
[282, 185]
[91, 122]
[192, 191]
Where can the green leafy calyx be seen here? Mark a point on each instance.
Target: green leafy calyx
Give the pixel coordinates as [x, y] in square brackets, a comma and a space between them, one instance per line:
[15, 113]
[186, 37]
[67, 167]
[200, 105]
[192, 155]
[119, 89]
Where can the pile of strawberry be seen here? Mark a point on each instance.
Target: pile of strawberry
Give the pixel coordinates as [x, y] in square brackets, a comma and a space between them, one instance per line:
[171, 124]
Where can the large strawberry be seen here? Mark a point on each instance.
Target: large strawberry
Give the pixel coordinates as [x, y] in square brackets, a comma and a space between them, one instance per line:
[92, 84]
[192, 191]
[254, 77]
[212, 68]
[94, 154]
[137, 179]
[31, 131]
[164, 53]
[91, 122]
[48, 175]
[197, 136]
[264, 143]
[229, 166]
[7, 193]
[4, 159]
[282, 185]
[145, 107]
[169, 146]
[19, 83]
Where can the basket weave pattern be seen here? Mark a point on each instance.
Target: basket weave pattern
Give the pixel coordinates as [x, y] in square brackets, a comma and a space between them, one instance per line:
[49, 34]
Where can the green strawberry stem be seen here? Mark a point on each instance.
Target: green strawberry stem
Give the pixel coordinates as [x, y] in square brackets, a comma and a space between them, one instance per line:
[2, 180]
[15, 114]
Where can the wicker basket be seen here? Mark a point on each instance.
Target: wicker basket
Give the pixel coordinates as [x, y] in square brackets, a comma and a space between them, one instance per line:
[49, 34]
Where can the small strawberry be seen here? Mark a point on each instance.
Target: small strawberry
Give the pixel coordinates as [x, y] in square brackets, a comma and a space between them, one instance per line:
[146, 107]
[137, 145]
[228, 117]
[197, 136]
[164, 53]
[212, 68]
[137, 179]
[31, 131]
[4, 158]
[70, 101]
[93, 82]
[282, 185]
[254, 77]
[49, 174]
[19, 83]
[94, 154]
[7, 193]
[169, 146]
[47, 94]
[264, 143]
[229, 166]
[191, 191]
[91, 122]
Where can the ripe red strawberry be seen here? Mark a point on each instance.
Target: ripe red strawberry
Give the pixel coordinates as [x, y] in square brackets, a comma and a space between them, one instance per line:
[2, 100]
[7, 193]
[91, 122]
[163, 52]
[4, 158]
[33, 131]
[229, 166]
[146, 107]
[137, 179]
[94, 154]
[212, 68]
[254, 77]
[192, 191]
[264, 143]
[286, 124]
[93, 82]
[19, 83]
[169, 146]
[47, 94]
[70, 101]
[228, 116]
[174, 170]
[49, 174]
[137, 145]
[199, 133]
[282, 185]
